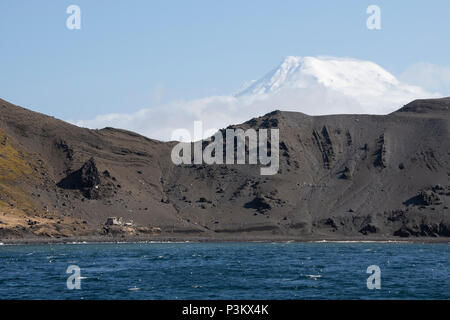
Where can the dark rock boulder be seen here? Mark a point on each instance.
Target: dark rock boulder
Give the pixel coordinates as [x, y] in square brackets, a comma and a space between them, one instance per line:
[368, 228]
[86, 179]
[424, 198]
[259, 203]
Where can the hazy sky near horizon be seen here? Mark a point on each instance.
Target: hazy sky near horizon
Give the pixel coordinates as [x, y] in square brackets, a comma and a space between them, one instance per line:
[130, 55]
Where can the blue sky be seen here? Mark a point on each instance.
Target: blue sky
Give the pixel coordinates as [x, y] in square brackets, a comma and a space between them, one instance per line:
[131, 55]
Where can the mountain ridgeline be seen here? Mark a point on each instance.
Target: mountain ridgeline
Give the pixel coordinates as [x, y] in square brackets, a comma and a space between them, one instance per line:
[341, 177]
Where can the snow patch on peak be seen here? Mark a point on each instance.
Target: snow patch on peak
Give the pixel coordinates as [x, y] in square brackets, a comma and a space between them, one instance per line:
[363, 82]
[336, 73]
[274, 79]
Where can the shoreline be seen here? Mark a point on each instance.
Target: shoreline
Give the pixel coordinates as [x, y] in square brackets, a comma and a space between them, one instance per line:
[249, 239]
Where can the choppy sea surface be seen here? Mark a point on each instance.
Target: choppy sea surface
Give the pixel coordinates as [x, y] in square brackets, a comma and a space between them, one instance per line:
[224, 271]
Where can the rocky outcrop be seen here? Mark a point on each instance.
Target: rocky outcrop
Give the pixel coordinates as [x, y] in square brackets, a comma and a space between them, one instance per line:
[260, 203]
[87, 180]
[325, 146]
[380, 153]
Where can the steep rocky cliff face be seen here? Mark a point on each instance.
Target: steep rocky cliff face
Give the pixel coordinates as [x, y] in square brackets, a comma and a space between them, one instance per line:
[340, 176]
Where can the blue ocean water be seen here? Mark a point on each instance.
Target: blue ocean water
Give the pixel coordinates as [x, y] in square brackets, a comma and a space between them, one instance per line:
[225, 271]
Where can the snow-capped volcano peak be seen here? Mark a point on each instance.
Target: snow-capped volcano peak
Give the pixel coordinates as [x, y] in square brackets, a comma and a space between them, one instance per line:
[274, 79]
[358, 80]
[335, 73]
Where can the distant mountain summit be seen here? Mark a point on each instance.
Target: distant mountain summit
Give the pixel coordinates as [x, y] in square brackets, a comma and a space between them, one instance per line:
[362, 82]
[310, 85]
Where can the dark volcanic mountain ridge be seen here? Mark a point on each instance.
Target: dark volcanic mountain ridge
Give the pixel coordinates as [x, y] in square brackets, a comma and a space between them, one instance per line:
[340, 177]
